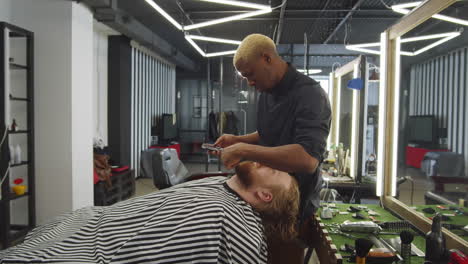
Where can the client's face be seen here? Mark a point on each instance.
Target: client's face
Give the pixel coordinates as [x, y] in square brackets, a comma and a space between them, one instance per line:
[280, 214]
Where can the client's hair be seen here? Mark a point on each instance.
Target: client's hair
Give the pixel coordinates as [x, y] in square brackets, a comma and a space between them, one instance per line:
[280, 215]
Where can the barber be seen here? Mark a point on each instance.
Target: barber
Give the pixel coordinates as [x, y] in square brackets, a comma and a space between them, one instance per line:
[293, 122]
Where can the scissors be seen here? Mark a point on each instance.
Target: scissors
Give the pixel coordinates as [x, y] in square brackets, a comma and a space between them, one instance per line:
[211, 147]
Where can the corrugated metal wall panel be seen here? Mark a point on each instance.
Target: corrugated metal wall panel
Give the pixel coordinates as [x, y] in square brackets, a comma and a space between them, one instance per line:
[153, 89]
[437, 88]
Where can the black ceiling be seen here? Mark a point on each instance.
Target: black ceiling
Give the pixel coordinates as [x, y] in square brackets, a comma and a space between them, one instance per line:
[317, 19]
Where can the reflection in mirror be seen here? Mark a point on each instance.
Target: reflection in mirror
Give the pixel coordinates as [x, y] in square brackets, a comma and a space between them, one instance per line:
[370, 124]
[433, 125]
[346, 107]
[350, 165]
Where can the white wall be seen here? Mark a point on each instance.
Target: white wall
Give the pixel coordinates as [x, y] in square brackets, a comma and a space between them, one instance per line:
[82, 98]
[63, 127]
[100, 86]
[5, 11]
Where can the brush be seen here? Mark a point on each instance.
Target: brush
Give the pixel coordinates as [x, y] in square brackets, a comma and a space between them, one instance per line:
[406, 239]
[362, 249]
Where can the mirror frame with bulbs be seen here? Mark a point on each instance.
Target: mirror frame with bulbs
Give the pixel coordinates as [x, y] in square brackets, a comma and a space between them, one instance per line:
[388, 118]
[358, 68]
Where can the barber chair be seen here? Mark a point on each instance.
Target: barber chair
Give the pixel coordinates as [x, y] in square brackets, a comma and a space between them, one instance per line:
[445, 168]
[166, 169]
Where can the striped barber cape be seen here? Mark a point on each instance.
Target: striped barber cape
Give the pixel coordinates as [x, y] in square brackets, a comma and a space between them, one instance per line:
[201, 221]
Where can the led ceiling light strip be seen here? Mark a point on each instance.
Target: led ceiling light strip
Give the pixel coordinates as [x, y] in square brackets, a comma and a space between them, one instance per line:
[437, 43]
[444, 38]
[238, 3]
[164, 14]
[195, 46]
[262, 9]
[426, 37]
[363, 47]
[190, 39]
[402, 8]
[217, 40]
[227, 19]
[221, 53]
[210, 39]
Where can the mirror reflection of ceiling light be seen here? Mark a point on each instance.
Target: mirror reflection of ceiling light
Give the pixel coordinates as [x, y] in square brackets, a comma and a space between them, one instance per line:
[311, 71]
[444, 37]
[403, 9]
[190, 39]
[239, 3]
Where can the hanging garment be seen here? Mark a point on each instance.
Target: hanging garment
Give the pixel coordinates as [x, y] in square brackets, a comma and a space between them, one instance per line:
[231, 124]
[212, 127]
[221, 122]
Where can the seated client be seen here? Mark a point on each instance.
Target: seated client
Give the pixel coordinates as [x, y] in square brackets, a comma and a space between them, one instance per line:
[213, 220]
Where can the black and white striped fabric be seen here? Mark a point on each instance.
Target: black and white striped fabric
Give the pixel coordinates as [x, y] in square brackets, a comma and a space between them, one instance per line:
[195, 222]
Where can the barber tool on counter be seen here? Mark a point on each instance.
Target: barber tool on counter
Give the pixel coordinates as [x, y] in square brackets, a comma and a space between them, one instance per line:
[382, 252]
[406, 239]
[435, 241]
[362, 227]
[362, 249]
[457, 257]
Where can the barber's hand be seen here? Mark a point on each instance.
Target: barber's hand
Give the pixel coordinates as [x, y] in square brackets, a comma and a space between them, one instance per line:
[226, 140]
[232, 155]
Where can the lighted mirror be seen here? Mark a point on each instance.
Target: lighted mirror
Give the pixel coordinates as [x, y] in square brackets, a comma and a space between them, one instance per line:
[424, 144]
[350, 165]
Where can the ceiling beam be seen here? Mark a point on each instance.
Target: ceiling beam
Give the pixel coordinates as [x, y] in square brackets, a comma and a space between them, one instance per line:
[358, 3]
[281, 21]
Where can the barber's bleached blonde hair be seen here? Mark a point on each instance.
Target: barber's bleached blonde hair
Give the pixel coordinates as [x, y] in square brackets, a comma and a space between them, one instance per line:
[253, 46]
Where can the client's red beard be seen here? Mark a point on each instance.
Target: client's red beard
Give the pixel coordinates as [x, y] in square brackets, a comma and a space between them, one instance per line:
[280, 215]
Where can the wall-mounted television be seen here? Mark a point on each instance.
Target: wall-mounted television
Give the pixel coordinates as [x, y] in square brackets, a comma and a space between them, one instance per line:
[422, 130]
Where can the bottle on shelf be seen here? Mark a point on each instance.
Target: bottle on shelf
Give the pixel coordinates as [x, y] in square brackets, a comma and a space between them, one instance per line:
[14, 126]
[12, 155]
[435, 241]
[17, 155]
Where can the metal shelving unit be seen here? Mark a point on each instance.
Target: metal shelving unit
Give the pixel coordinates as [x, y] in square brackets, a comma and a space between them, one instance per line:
[11, 233]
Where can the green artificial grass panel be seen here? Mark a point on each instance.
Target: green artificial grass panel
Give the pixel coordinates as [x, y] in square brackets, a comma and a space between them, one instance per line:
[384, 216]
[456, 220]
[339, 241]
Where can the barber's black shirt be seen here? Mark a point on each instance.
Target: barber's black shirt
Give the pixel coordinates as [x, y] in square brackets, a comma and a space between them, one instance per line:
[297, 111]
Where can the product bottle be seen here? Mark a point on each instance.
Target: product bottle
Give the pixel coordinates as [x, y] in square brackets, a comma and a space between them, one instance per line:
[14, 126]
[12, 155]
[17, 154]
[435, 241]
